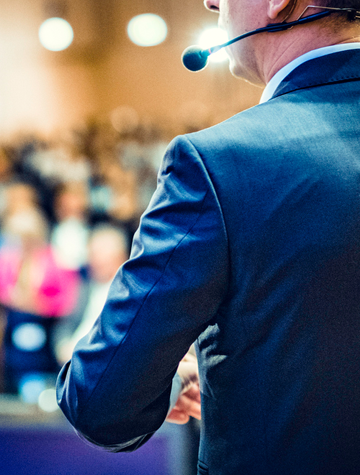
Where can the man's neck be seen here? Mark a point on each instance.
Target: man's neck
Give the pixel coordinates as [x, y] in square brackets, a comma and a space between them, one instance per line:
[275, 81]
[298, 42]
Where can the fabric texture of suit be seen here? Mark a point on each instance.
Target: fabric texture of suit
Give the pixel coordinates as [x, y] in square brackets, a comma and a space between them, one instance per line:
[251, 247]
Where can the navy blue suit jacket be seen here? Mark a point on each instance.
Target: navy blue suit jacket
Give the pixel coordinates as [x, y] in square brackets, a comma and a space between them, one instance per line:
[251, 247]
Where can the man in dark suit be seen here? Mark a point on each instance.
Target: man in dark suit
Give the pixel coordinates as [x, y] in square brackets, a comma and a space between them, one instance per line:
[251, 247]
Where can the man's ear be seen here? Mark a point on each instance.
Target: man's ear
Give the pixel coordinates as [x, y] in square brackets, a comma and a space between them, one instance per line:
[275, 7]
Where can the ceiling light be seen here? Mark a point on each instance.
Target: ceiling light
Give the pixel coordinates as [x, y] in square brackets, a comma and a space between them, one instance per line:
[147, 30]
[56, 34]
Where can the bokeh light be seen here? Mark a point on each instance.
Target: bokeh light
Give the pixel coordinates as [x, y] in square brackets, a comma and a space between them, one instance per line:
[147, 29]
[47, 400]
[31, 386]
[29, 337]
[212, 37]
[56, 34]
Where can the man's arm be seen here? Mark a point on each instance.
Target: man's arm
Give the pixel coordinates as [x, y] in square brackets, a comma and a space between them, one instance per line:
[116, 388]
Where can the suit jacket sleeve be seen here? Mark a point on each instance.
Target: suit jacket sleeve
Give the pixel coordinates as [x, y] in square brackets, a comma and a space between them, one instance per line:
[115, 390]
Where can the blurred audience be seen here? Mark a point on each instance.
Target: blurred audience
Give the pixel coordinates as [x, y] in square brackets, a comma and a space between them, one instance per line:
[107, 251]
[142, 152]
[34, 291]
[61, 161]
[68, 209]
[70, 232]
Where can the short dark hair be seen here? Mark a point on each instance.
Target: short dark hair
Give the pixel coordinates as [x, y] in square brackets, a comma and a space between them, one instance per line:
[341, 3]
[354, 4]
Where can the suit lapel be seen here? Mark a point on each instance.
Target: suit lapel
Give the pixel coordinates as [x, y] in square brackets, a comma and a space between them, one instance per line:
[329, 69]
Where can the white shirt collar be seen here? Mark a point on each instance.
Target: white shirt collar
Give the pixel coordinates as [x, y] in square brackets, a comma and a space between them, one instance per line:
[286, 70]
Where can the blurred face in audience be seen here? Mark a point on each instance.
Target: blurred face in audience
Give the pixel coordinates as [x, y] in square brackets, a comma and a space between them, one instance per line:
[20, 196]
[71, 202]
[28, 229]
[106, 254]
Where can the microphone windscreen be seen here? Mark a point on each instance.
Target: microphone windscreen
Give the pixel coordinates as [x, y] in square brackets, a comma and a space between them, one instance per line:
[195, 58]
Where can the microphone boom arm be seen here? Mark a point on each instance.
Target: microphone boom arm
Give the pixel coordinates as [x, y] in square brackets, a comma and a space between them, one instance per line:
[195, 58]
[271, 28]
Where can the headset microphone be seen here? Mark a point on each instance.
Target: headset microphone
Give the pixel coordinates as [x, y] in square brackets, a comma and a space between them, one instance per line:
[196, 58]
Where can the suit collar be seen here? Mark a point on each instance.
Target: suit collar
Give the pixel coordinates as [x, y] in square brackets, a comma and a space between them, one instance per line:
[332, 68]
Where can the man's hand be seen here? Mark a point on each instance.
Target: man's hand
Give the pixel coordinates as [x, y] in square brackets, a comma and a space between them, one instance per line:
[188, 403]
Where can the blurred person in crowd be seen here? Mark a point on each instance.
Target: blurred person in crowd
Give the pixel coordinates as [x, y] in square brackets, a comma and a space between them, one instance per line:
[141, 151]
[7, 174]
[22, 149]
[70, 232]
[35, 292]
[20, 197]
[107, 251]
[61, 160]
[115, 194]
[124, 193]
[99, 190]
[102, 139]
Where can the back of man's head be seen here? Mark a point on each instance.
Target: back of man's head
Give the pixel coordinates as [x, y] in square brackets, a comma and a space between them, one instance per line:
[340, 3]
[338, 20]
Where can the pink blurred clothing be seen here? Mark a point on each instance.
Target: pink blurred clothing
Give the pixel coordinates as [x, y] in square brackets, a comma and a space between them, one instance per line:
[36, 284]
